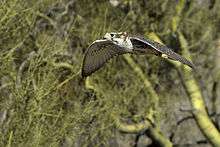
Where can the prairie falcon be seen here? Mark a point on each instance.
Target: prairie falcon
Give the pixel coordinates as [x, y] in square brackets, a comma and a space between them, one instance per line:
[112, 44]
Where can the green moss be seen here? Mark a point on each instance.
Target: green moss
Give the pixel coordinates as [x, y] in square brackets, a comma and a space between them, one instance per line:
[37, 54]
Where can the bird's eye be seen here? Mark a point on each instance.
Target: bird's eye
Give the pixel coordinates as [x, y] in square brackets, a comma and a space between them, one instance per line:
[112, 35]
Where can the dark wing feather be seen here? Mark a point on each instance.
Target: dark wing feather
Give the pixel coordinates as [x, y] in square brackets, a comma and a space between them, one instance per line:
[98, 54]
[149, 46]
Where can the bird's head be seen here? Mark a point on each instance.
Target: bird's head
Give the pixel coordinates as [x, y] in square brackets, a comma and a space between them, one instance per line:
[113, 35]
[122, 39]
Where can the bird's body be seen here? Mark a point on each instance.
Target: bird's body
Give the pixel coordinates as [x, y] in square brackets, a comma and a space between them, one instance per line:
[100, 51]
[120, 39]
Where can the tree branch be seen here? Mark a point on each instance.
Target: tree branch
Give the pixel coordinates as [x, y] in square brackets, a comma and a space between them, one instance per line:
[201, 116]
[149, 88]
[193, 90]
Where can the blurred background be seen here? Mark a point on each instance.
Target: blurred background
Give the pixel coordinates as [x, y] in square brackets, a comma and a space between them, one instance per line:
[45, 102]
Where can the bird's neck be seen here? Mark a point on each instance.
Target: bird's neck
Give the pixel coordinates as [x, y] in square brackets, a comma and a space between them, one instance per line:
[125, 43]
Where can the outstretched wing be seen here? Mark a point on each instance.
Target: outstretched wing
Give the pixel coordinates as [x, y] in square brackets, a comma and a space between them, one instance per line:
[147, 46]
[98, 53]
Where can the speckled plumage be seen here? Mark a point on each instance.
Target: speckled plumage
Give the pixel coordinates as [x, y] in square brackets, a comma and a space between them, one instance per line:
[100, 51]
[98, 54]
[149, 46]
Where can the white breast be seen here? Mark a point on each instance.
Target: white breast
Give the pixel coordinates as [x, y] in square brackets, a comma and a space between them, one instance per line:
[124, 43]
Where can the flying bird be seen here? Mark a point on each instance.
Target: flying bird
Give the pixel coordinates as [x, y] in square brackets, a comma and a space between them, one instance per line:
[113, 44]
